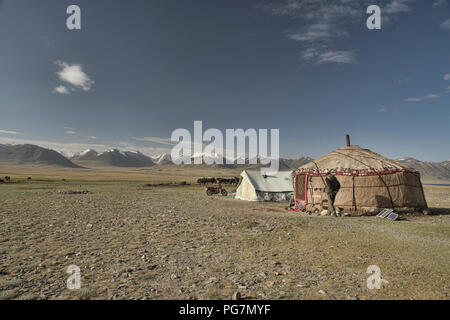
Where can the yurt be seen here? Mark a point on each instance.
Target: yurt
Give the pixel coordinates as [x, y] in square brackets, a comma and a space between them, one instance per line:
[369, 182]
[254, 186]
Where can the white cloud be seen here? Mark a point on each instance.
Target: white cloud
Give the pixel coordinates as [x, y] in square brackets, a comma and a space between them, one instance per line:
[312, 9]
[71, 132]
[322, 55]
[439, 3]
[321, 22]
[337, 57]
[446, 24]
[92, 137]
[165, 141]
[428, 96]
[414, 99]
[317, 32]
[333, 10]
[74, 75]
[310, 54]
[446, 77]
[62, 90]
[382, 110]
[9, 132]
[397, 6]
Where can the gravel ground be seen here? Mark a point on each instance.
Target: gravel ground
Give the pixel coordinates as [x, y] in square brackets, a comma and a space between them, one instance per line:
[136, 242]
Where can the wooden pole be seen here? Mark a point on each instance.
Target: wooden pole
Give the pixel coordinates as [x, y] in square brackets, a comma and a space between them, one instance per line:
[330, 203]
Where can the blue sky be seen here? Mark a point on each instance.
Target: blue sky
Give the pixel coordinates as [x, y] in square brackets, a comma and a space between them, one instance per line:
[140, 69]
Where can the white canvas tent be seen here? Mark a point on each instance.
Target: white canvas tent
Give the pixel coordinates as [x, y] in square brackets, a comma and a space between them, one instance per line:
[254, 186]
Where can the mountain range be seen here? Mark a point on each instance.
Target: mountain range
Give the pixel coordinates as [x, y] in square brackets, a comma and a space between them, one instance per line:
[113, 157]
[32, 154]
[119, 158]
[429, 170]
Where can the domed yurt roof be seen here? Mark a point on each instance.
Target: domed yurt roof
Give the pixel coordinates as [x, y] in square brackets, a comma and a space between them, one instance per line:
[351, 158]
[354, 158]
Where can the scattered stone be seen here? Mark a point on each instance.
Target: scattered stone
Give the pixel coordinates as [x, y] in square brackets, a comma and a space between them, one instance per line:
[323, 292]
[236, 296]
[325, 213]
[211, 280]
[72, 192]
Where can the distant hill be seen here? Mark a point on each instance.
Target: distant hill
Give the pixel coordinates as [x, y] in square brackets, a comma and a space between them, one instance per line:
[114, 157]
[284, 164]
[295, 163]
[31, 154]
[429, 170]
[446, 164]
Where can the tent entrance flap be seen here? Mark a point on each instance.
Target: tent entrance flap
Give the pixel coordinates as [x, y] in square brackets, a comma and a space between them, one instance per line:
[301, 191]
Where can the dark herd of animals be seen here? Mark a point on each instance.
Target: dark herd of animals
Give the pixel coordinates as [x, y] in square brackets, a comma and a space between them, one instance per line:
[8, 179]
[234, 180]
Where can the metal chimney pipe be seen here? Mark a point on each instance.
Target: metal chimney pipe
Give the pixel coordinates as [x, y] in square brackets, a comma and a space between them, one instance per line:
[348, 140]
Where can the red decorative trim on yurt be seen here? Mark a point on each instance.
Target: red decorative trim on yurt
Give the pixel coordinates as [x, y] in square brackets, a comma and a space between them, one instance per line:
[361, 173]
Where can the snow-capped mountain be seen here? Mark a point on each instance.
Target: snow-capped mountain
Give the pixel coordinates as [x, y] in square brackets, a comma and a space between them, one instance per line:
[115, 157]
[89, 154]
[164, 158]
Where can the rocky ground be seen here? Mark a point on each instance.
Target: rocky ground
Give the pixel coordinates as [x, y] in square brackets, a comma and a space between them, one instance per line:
[138, 242]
